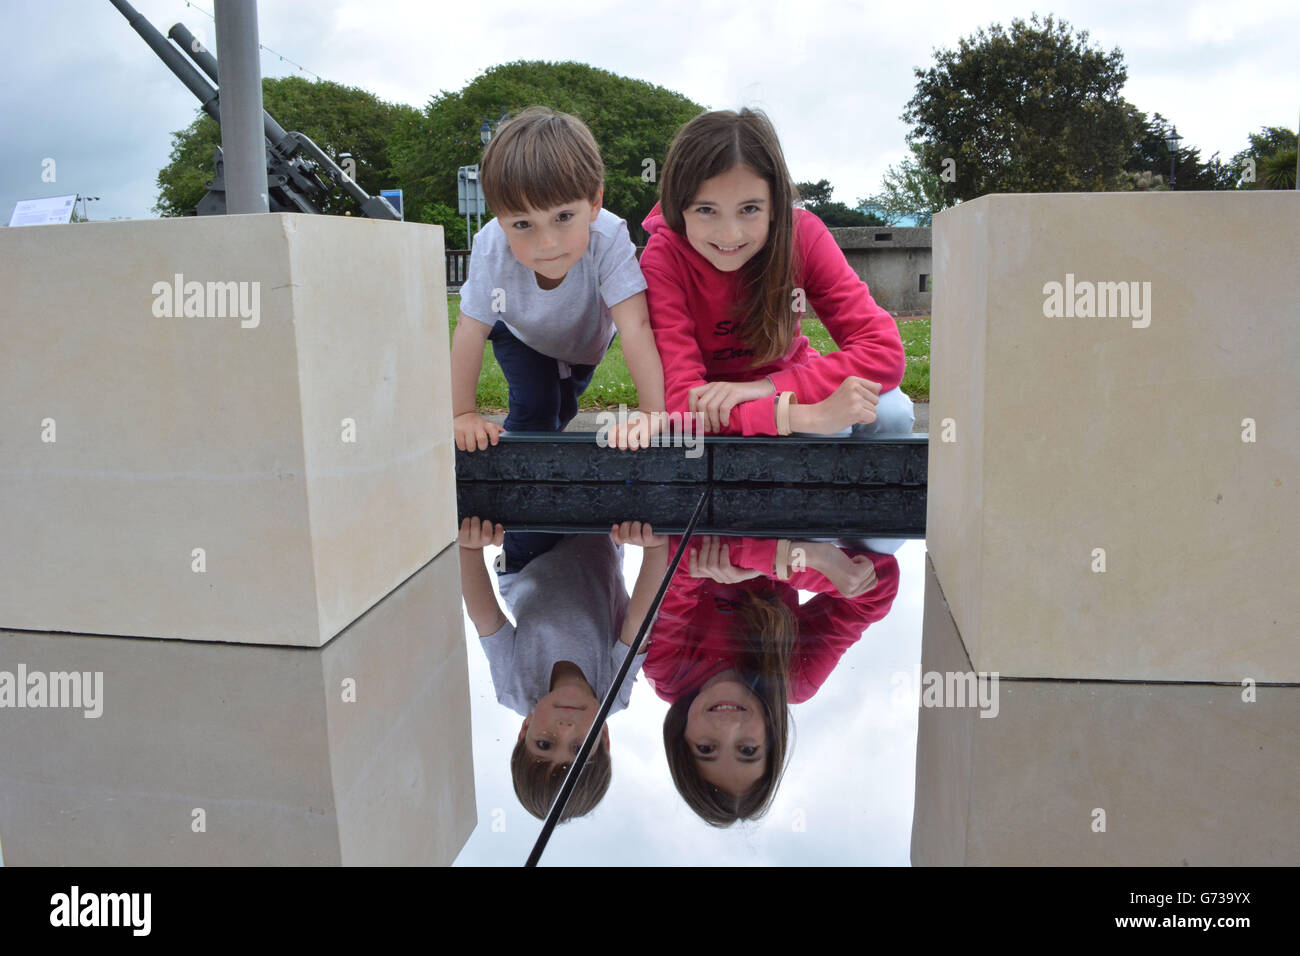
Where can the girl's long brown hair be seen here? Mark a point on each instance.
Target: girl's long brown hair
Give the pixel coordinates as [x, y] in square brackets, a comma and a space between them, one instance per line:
[767, 631]
[708, 146]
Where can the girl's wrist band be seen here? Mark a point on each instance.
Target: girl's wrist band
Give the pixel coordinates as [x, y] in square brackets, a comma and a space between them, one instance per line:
[781, 563]
[783, 412]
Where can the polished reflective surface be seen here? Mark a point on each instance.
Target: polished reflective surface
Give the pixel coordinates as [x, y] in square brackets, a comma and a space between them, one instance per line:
[727, 625]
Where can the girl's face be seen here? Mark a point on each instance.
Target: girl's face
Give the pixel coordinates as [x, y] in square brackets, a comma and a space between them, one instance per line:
[728, 220]
[726, 734]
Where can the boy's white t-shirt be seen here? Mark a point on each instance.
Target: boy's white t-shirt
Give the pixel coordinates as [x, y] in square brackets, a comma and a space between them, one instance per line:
[570, 322]
[569, 604]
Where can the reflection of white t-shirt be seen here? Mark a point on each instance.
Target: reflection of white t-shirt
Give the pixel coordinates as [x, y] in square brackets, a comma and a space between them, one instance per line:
[570, 322]
[569, 604]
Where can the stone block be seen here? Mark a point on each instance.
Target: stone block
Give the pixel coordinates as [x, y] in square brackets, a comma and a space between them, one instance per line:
[358, 752]
[1182, 774]
[1155, 437]
[297, 429]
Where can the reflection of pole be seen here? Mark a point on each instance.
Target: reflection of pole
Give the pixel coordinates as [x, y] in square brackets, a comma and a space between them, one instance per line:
[580, 761]
[243, 144]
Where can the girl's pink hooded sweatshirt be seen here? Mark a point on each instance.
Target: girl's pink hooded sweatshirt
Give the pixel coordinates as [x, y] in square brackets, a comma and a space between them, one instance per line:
[691, 305]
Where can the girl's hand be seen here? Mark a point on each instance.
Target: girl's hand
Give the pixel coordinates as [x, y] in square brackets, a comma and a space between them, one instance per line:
[851, 576]
[638, 533]
[474, 431]
[712, 559]
[476, 533]
[715, 400]
[853, 403]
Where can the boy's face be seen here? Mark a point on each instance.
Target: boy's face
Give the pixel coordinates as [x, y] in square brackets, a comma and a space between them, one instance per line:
[551, 241]
[559, 723]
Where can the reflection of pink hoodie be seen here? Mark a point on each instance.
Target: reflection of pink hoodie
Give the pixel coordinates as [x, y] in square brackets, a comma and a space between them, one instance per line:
[691, 313]
[694, 634]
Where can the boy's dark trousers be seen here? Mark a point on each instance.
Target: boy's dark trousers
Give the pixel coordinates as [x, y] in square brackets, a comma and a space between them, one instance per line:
[540, 401]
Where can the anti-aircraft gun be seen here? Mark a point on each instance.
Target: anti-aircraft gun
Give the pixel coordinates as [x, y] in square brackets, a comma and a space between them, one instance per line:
[294, 164]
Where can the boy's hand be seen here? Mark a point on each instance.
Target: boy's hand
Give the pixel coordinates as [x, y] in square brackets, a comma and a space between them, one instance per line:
[473, 431]
[477, 533]
[638, 533]
[715, 400]
[640, 429]
[853, 403]
[712, 559]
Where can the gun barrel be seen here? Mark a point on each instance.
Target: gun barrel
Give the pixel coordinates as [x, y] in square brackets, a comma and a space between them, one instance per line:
[202, 90]
[208, 64]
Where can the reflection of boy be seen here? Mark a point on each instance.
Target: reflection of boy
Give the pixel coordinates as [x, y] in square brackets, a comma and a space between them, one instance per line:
[574, 623]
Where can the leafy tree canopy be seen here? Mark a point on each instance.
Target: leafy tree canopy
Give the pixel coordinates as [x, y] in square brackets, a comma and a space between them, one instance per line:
[1030, 109]
[909, 189]
[336, 118]
[1150, 154]
[632, 121]
[816, 198]
[1272, 152]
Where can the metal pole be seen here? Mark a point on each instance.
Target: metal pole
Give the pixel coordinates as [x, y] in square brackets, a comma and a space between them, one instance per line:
[242, 139]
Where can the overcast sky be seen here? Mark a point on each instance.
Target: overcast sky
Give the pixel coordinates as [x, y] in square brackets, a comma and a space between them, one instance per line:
[78, 86]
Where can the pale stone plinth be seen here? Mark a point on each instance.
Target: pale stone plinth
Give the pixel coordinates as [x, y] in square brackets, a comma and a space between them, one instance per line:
[223, 434]
[1078, 436]
[1186, 774]
[261, 739]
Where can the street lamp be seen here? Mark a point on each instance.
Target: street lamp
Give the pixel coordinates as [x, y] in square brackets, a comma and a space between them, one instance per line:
[1172, 141]
[485, 133]
[85, 214]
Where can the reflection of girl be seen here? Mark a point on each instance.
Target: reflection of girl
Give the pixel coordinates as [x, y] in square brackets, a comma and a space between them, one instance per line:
[732, 648]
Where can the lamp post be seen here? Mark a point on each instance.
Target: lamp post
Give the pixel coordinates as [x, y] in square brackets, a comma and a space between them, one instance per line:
[485, 133]
[1172, 141]
[85, 213]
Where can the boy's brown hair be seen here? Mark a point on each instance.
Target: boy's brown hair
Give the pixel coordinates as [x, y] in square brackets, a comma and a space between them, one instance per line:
[540, 159]
[708, 146]
[538, 781]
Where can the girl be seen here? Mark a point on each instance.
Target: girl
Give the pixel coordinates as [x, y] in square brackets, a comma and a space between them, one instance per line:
[729, 267]
[732, 648]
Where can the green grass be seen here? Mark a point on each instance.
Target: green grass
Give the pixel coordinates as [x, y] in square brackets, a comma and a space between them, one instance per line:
[612, 385]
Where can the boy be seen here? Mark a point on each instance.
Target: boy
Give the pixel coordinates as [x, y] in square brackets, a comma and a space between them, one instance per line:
[550, 279]
[573, 625]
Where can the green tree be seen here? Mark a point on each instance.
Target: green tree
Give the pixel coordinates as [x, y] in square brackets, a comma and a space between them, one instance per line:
[632, 121]
[909, 189]
[1271, 156]
[336, 118]
[1148, 160]
[1032, 109]
[816, 198]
